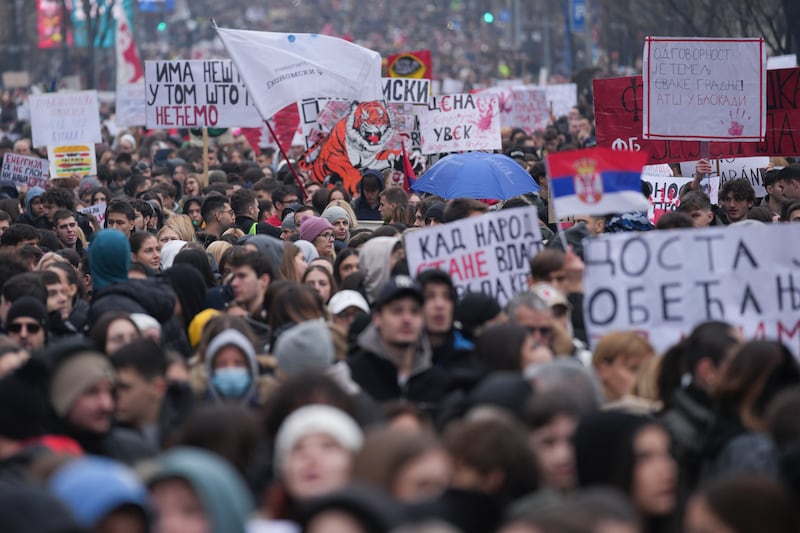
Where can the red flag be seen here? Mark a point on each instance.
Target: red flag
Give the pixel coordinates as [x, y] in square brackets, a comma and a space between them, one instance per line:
[409, 177]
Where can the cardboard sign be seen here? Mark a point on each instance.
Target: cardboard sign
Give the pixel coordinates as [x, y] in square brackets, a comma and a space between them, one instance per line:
[704, 89]
[63, 118]
[730, 169]
[460, 122]
[665, 197]
[562, 97]
[197, 94]
[488, 254]
[66, 161]
[98, 211]
[17, 169]
[618, 119]
[406, 90]
[131, 110]
[664, 283]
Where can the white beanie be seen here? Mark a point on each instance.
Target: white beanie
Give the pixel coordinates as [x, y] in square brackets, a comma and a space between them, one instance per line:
[316, 419]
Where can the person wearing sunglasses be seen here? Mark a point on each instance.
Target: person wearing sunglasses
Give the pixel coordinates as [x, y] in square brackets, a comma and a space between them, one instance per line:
[26, 323]
[531, 311]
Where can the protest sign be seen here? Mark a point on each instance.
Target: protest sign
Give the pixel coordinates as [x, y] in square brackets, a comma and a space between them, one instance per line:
[17, 169]
[704, 89]
[130, 105]
[451, 86]
[523, 107]
[618, 119]
[406, 90]
[665, 197]
[196, 94]
[13, 79]
[787, 61]
[416, 64]
[488, 254]
[98, 211]
[72, 159]
[460, 122]
[562, 97]
[664, 283]
[61, 118]
[730, 169]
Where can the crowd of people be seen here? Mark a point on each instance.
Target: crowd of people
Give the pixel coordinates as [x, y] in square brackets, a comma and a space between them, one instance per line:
[246, 350]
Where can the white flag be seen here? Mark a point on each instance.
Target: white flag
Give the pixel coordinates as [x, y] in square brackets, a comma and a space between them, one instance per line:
[281, 68]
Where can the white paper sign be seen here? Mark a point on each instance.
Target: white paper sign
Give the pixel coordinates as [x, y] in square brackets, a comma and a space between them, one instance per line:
[787, 61]
[460, 122]
[17, 169]
[98, 211]
[665, 197]
[64, 118]
[130, 105]
[489, 253]
[730, 169]
[196, 94]
[562, 97]
[664, 283]
[704, 89]
[406, 90]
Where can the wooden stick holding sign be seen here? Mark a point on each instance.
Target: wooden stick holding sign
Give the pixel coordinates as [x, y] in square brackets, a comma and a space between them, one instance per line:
[204, 179]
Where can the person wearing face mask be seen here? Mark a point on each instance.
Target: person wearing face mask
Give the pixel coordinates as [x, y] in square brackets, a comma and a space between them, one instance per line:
[232, 369]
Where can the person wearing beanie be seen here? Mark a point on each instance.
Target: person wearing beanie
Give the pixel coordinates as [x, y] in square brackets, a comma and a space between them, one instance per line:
[288, 228]
[474, 312]
[205, 483]
[26, 323]
[307, 346]
[232, 369]
[314, 451]
[338, 218]
[98, 490]
[318, 232]
[198, 323]
[309, 251]
[80, 393]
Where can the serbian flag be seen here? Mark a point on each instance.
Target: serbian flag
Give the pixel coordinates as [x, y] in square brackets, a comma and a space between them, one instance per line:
[596, 181]
[281, 68]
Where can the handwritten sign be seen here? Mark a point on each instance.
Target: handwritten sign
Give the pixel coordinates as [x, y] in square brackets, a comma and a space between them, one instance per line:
[525, 107]
[195, 94]
[62, 118]
[618, 118]
[488, 254]
[406, 90]
[665, 197]
[72, 159]
[664, 283]
[704, 89]
[98, 211]
[562, 96]
[730, 169]
[131, 110]
[460, 122]
[18, 169]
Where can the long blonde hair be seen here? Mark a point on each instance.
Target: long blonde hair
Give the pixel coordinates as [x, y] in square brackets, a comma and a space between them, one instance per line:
[182, 225]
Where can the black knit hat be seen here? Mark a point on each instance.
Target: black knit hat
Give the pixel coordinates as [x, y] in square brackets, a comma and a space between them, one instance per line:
[30, 307]
[474, 309]
[23, 405]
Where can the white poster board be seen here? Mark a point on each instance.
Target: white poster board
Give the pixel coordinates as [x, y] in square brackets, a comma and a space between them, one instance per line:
[665, 197]
[489, 253]
[460, 122]
[406, 90]
[98, 211]
[704, 89]
[562, 96]
[71, 160]
[786, 61]
[197, 94]
[731, 169]
[130, 105]
[62, 118]
[17, 169]
[664, 283]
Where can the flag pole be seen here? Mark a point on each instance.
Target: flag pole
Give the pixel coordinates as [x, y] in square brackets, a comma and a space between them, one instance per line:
[286, 157]
[204, 181]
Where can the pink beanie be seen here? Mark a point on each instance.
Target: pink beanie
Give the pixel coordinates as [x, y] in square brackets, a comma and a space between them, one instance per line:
[311, 227]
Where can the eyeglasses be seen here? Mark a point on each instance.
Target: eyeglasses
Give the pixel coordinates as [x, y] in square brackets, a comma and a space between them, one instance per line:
[16, 327]
[327, 235]
[543, 331]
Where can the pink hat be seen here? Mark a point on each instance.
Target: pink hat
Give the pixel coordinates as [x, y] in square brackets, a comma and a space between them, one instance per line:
[311, 228]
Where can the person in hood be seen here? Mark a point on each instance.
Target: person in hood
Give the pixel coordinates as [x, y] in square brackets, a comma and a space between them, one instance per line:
[376, 260]
[232, 368]
[196, 491]
[34, 209]
[368, 201]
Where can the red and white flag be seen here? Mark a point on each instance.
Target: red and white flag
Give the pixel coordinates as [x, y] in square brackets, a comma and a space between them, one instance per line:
[281, 68]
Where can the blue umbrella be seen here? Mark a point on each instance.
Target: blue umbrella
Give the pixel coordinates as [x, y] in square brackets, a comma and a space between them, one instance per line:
[476, 175]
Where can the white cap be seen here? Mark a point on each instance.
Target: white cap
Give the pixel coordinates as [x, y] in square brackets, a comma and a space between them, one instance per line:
[347, 298]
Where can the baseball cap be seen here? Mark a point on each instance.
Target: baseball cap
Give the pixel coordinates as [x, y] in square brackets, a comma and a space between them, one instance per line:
[551, 295]
[396, 288]
[347, 298]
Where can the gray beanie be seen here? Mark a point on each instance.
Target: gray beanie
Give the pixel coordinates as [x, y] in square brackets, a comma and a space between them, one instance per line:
[333, 213]
[306, 346]
[288, 222]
